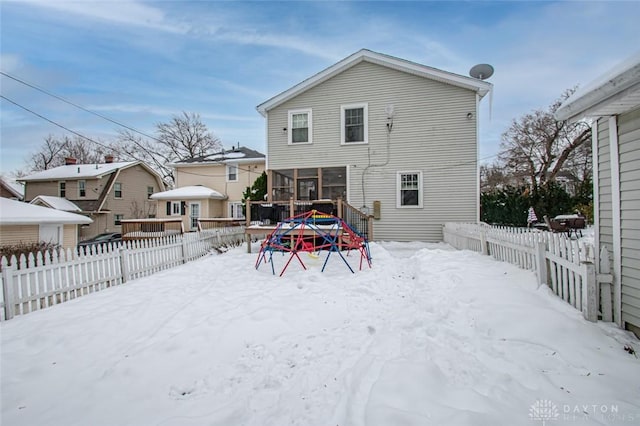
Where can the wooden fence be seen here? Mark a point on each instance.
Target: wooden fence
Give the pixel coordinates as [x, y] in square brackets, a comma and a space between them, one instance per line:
[40, 280]
[565, 265]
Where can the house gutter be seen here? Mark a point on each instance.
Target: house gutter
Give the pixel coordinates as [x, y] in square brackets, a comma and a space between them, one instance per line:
[604, 90]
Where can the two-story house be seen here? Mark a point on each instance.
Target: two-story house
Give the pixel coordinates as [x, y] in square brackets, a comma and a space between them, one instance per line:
[211, 186]
[393, 138]
[105, 192]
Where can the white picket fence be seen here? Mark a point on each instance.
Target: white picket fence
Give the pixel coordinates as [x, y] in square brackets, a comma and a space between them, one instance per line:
[565, 265]
[40, 280]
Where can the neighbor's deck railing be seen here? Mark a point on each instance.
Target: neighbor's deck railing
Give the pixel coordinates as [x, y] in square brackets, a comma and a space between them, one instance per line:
[565, 265]
[40, 280]
[136, 229]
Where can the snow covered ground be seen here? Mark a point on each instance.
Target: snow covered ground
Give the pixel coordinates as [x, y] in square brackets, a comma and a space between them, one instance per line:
[428, 336]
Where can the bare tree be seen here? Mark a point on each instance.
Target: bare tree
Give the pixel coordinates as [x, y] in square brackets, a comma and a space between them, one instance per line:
[183, 137]
[536, 147]
[54, 150]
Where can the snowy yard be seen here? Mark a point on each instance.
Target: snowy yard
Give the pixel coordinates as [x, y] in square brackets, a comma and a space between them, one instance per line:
[428, 336]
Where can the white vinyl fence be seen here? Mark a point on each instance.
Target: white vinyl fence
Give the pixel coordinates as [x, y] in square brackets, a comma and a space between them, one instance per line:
[565, 265]
[37, 281]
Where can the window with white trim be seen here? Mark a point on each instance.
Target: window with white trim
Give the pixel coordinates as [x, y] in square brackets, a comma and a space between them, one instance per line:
[409, 187]
[176, 208]
[232, 173]
[117, 190]
[354, 122]
[82, 188]
[299, 125]
[62, 189]
[117, 219]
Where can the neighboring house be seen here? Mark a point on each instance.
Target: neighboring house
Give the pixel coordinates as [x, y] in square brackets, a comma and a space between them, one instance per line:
[390, 136]
[27, 223]
[11, 189]
[189, 203]
[613, 104]
[106, 192]
[227, 173]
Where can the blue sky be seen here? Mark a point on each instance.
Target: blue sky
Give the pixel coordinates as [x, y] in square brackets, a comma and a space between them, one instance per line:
[141, 62]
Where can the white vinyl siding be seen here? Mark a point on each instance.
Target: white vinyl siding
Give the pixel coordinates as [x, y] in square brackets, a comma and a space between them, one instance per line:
[629, 153]
[431, 134]
[300, 126]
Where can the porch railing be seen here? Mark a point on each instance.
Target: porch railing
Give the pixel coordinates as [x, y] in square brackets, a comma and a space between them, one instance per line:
[278, 211]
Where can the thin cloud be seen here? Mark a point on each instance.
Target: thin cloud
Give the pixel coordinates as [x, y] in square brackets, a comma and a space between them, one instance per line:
[121, 12]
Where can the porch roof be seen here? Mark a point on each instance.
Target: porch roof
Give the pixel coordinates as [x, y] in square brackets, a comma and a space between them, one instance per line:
[196, 192]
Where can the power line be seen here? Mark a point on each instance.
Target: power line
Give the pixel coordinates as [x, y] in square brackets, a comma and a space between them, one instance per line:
[54, 123]
[60, 98]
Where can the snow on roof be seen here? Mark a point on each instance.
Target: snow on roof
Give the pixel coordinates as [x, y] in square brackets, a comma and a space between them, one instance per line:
[78, 171]
[612, 93]
[12, 186]
[18, 213]
[196, 192]
[479, 86]
[235, 155]
[57, 203]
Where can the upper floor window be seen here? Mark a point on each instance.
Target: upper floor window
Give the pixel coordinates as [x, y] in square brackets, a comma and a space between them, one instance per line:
[300, 126]
[149, 191]
[117, 190]
[354, 121]
[82, 191]
[62, 189]
[232, 173]
[409, 187]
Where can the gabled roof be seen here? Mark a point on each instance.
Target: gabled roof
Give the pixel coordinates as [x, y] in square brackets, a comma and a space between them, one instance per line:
[13, 187]
[57, 203]
[613, 93]
[479, 86]
[78, 171]
[196, 192]
[235, 155]
[18, 213]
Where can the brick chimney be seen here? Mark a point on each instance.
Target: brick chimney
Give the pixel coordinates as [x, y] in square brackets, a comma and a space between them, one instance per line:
[108, 159]
[69, 161]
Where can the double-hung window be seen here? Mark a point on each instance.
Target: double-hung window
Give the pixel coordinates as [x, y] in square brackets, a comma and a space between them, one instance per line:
[409, 187]
[354, 122]
[300, 130]
[82, 188]
[62, 189]
[117, 190]
[232, 173]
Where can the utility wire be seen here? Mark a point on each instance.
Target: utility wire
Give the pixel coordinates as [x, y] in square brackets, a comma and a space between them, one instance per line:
[54, 123]
[60, 98]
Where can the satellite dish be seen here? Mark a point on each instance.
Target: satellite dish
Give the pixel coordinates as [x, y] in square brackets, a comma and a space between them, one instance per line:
[481, 71]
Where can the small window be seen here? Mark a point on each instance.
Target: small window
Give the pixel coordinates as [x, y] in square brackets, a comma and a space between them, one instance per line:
[149, 191]
[117, 219]
[300, 126]
[82, 188]
[409, 186]
[232, 173]
[62, 189]
[176, 208]
[355, 124]
[117, 190]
